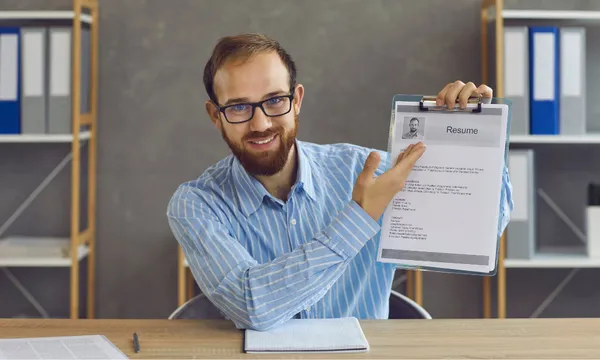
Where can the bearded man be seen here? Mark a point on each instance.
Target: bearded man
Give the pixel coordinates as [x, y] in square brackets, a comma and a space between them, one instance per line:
[283, 228]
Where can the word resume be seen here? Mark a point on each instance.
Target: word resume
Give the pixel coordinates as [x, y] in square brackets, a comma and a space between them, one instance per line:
[446, 217]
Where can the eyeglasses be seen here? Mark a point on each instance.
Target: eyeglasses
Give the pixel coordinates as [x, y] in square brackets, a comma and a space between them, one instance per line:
[274, 106]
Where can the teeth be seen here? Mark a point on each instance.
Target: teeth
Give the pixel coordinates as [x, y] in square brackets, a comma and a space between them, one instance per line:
[264, 141]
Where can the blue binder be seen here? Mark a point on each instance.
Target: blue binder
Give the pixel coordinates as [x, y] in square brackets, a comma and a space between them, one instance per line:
[10, 79]
[544, 80]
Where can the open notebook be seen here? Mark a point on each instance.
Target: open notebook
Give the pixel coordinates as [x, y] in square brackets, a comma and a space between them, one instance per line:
[64, 347]
[309, 335]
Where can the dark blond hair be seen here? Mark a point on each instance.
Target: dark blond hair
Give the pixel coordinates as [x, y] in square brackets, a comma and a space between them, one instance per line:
[242, 47]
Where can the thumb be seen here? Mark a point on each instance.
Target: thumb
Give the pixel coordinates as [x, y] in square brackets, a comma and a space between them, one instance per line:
[371, 165]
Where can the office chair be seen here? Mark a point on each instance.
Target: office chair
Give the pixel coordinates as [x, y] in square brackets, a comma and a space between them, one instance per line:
[402, 307]
[199, 307]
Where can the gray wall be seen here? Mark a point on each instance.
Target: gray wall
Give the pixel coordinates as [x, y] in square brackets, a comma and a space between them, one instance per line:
[154, 134]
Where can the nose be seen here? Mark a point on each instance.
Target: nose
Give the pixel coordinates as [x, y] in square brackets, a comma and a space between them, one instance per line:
[260, 122]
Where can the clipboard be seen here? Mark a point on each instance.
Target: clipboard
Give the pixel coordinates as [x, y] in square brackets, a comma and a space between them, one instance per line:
[408, 238]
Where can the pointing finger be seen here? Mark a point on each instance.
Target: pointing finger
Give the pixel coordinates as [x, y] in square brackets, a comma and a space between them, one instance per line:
[398, 173]
[411, 157]
[403, 153]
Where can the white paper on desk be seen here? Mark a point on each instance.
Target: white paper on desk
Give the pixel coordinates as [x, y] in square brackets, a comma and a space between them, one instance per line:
[446, 217]
[68, 347]
[309, 335]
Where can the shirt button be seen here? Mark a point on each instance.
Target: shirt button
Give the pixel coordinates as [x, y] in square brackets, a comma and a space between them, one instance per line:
[293, 222]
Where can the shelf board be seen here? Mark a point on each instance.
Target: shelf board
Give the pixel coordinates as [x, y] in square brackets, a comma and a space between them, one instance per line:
[43, 15]
[556, 261]
[26, 251]
[551, 14]
[555, 139]
[42, 138]
[556, 257]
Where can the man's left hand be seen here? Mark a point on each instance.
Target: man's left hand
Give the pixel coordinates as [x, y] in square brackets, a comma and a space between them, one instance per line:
[459, 92]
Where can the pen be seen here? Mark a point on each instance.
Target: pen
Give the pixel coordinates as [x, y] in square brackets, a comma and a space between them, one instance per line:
[136, 343]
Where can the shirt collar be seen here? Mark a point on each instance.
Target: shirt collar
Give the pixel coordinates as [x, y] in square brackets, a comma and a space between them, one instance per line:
[305, 177]
[251, 192]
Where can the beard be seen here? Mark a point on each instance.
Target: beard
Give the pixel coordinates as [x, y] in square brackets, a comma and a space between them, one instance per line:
[265, 163]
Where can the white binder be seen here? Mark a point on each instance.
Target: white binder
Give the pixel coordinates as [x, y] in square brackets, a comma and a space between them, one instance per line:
[34, 101]
[521, 230]
[59, 102]
[572, 80]
[516, 77]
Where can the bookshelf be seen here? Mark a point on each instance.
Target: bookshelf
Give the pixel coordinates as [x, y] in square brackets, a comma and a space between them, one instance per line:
[70, 251]
[493, 19]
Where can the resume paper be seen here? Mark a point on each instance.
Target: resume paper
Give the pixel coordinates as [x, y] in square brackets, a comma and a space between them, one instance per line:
[446, 216]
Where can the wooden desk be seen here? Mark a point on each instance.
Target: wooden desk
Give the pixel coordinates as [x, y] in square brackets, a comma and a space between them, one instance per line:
[391, 339]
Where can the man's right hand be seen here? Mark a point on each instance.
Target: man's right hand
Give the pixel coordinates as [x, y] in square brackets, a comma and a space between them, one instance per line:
[373, 194]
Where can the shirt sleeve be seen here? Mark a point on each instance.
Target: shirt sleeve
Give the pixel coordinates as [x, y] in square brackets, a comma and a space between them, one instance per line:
[260, 296]
[507, 202]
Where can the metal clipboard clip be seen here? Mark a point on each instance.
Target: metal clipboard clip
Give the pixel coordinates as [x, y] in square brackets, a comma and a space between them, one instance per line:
[431, 100]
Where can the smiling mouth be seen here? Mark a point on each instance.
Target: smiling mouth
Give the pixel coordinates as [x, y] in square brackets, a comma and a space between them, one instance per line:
[263, 141]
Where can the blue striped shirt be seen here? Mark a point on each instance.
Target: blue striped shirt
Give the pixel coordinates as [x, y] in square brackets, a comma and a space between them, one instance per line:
[262, 261]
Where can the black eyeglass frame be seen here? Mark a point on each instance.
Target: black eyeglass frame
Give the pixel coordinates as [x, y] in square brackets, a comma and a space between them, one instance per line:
[255, 105]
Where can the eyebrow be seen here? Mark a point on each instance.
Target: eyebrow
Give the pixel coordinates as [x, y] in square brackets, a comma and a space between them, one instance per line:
[245, 99]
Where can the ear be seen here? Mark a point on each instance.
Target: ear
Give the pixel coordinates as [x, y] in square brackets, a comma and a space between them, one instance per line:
[298, 96]
[214, 113]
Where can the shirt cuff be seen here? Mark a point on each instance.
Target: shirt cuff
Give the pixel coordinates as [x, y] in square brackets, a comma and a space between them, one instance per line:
[350, 230]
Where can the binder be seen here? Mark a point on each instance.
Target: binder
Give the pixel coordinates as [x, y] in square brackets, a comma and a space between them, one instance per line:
[544, 80]
[59, 92]
[33, 90]
[572, 81]
[516, 77]
[10, 105]
[521, 230]
[592, 221]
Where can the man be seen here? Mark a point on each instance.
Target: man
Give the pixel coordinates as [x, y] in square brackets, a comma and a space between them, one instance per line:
[413, 132]
[284, 228]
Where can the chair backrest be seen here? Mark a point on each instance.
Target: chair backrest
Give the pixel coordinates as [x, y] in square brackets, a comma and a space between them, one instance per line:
[402, 307]
[198, 307]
